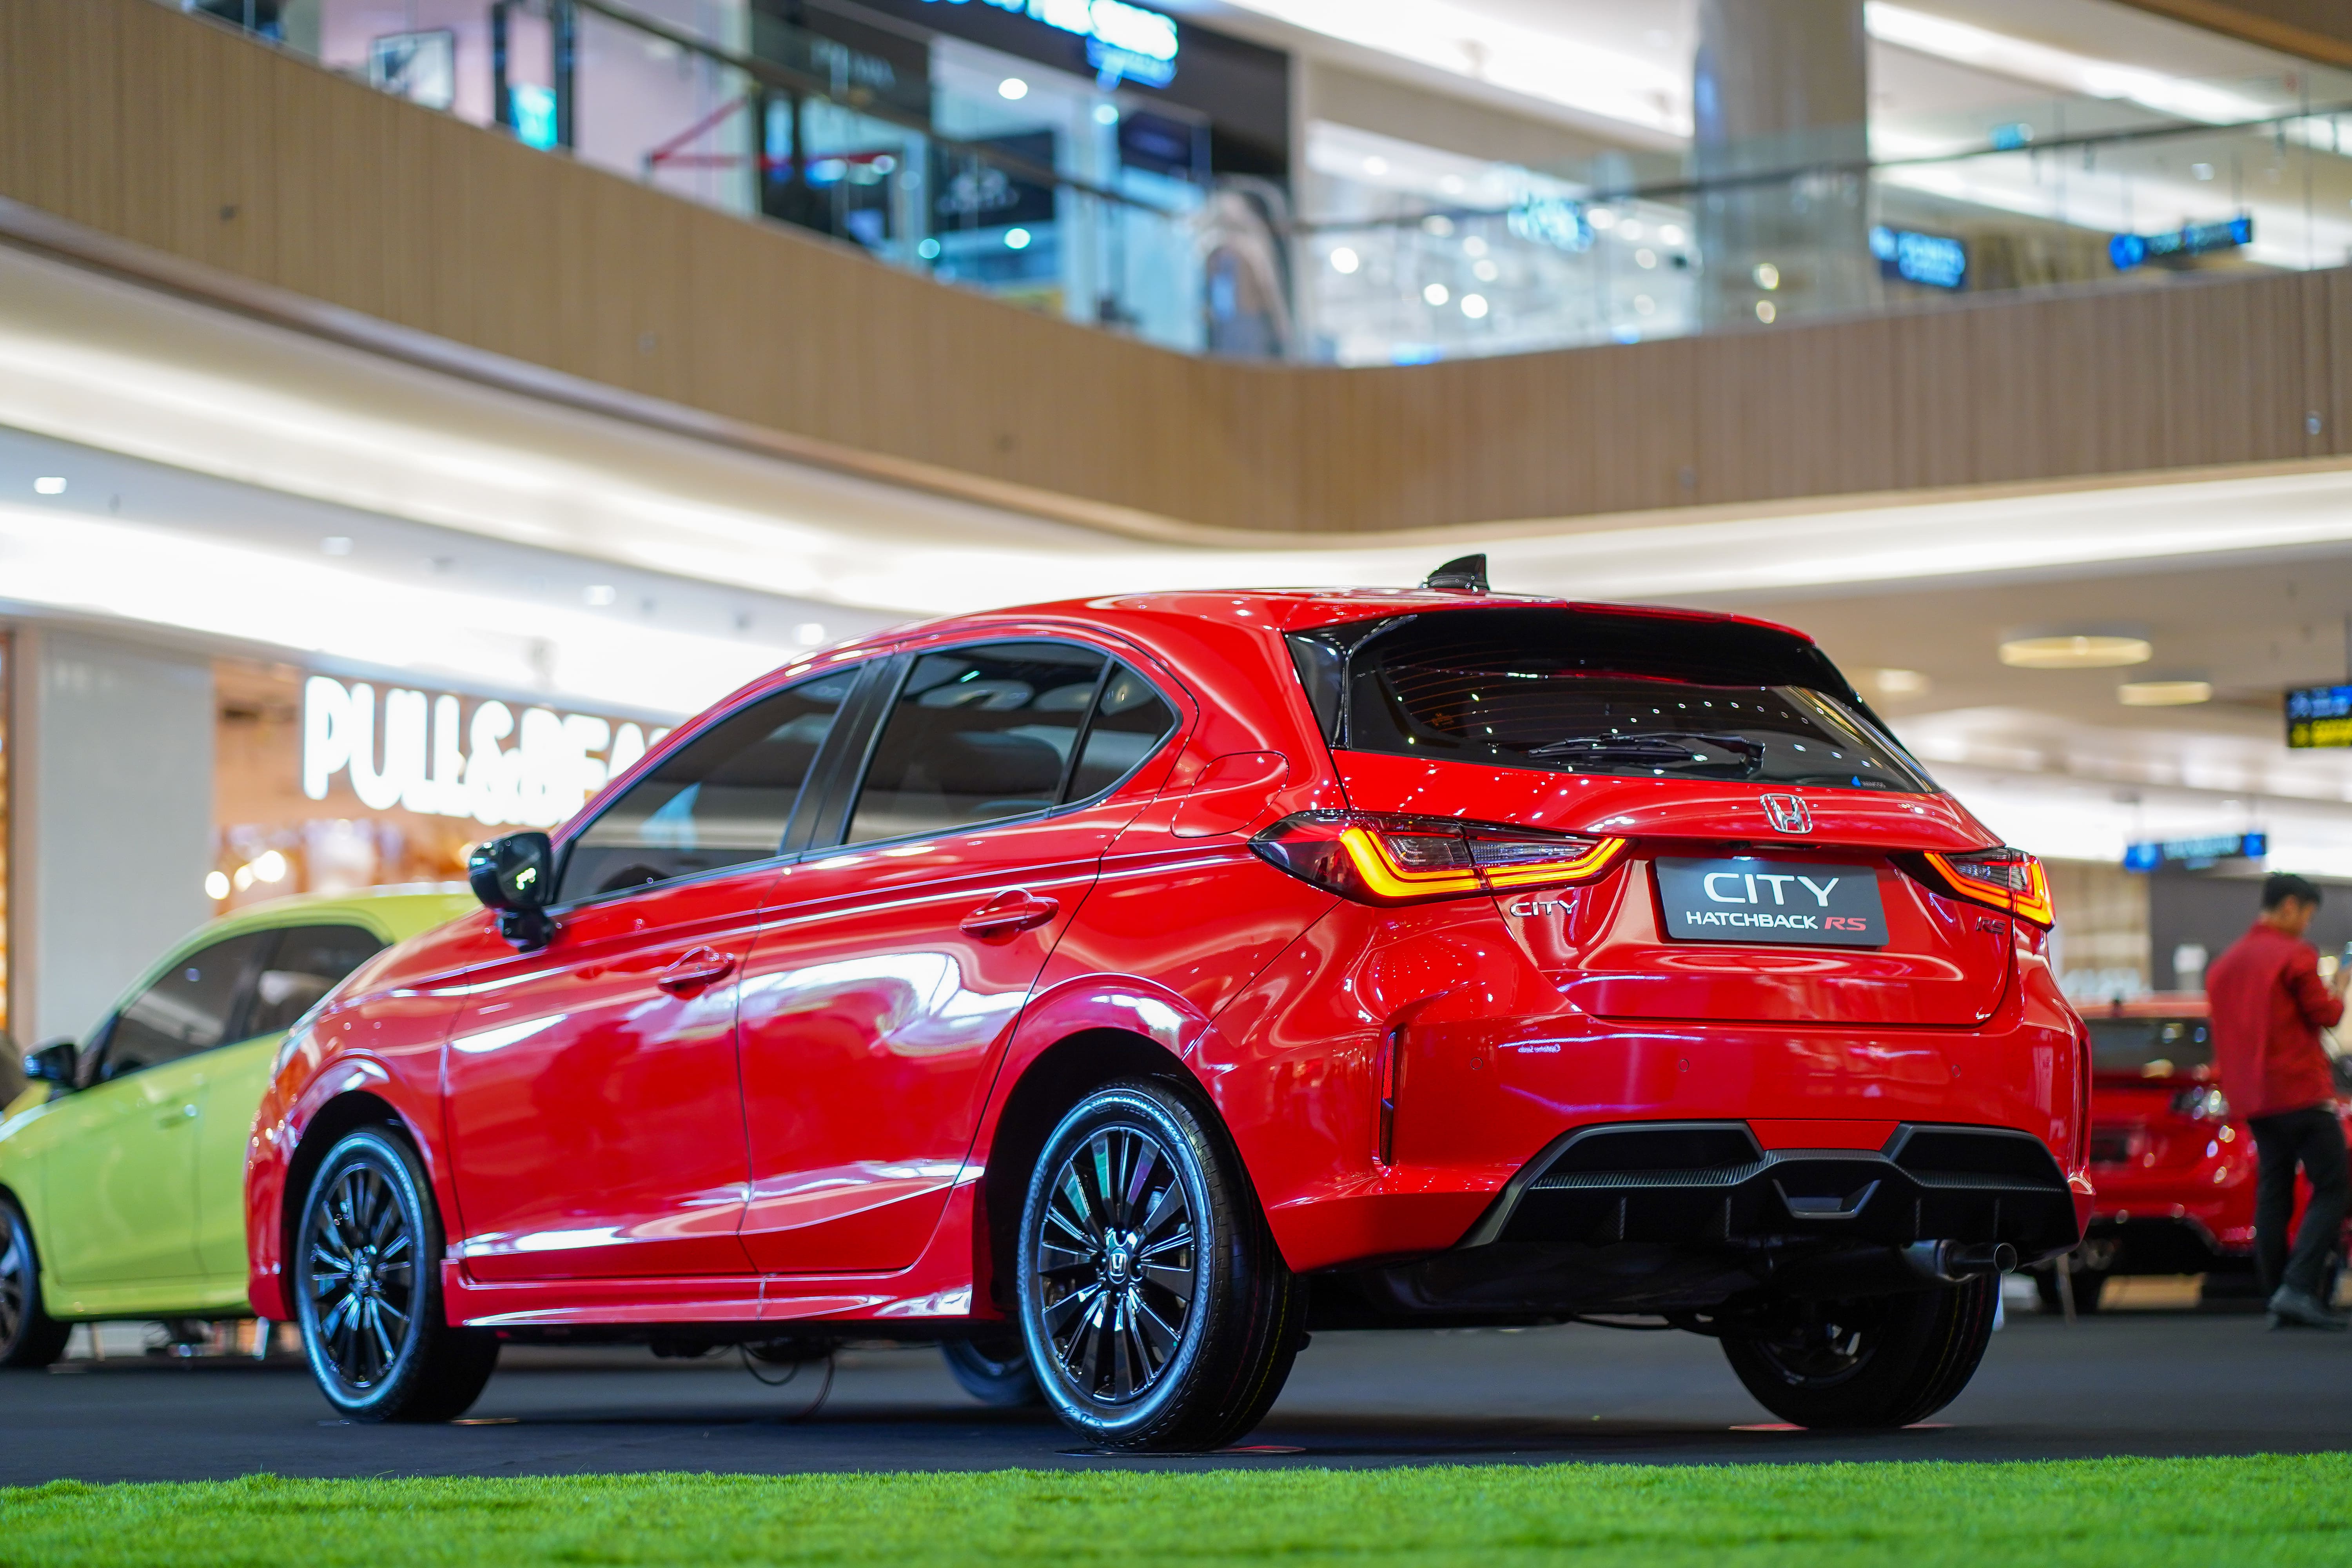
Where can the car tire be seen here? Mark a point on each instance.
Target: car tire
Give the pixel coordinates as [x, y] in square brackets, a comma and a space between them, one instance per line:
[994, 1370]
[366, 1282]
[1880, 1361]
[1157, 1312]
[29, 1338]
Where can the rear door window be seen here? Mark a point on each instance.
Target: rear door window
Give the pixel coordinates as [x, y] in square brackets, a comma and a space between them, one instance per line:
[2153, 1047]
[1575, 691]
[192, 1006]
[977, 735]
[309, 963]
[723, 798]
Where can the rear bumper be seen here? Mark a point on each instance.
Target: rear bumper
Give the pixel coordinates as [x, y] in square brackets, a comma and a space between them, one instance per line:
[1712, 1183]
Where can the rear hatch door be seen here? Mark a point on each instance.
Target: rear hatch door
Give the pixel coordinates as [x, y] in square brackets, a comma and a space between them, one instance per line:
[1767, 814]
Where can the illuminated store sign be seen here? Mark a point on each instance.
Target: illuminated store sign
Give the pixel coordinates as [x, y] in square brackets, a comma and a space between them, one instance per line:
[2196, 853]
[2129, 250]
[2319, 716]
[423, 751]
[1122, 40]
[1932, 260]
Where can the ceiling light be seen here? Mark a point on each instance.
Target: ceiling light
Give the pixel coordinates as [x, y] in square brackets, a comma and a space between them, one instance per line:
[1376, 166]
[1486, 271]
[1343, 260]
[809, 633]
[1670, 233]
[1106, 114]
[1766, 275]
[1645, 256]
[1016, 240]
[1012, 88]
[1899, 682]
[216, 886]
[1766, 311]
[1473, 306]
[2093, 650]
[601, 593]
[1436, 294]
[2164, 693]
[49, 484]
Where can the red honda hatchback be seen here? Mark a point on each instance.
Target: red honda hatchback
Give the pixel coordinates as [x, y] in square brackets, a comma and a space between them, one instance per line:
[1116, 990]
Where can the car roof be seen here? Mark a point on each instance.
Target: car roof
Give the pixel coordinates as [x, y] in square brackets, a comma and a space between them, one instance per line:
[396, 912]
[1303, 609]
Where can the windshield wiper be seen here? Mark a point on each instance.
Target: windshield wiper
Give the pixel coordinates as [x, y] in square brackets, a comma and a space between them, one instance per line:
[1665, 748]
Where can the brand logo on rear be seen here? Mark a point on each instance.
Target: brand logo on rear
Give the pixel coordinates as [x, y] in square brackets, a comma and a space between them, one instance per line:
[1789, 813]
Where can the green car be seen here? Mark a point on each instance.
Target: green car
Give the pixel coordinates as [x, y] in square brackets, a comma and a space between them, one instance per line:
[122, 1165]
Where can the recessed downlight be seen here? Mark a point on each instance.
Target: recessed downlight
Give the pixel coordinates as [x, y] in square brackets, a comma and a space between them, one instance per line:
[2091, 651]
[2164, 693]
[1899, 682]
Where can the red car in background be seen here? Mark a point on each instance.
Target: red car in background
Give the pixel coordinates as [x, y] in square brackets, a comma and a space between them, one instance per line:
[2174, 1173]
[1114, 991]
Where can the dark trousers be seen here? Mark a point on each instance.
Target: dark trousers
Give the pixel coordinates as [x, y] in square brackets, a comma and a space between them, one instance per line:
[2313, 1139]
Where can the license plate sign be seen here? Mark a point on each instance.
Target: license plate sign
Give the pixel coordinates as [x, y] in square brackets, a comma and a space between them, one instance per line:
[1794, 902]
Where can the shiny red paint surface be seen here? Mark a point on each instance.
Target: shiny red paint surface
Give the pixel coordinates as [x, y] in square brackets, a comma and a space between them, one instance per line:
[2150, 1160]
[808, 1134]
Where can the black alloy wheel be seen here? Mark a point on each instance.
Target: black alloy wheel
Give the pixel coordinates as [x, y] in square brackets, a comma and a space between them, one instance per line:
[29, 1336]
[367, 1286]
[994, 1370]
[1873, 1361]
[1156, 1309]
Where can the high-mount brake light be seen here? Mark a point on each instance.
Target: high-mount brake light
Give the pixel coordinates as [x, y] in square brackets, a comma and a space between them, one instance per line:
[1380, 859]
[2008, 880]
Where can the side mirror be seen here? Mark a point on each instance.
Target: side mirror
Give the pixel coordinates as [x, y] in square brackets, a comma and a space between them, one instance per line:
[516, 875]
[52, 1062]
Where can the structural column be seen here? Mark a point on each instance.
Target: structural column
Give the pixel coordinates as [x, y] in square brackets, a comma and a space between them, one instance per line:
[1780, 97]
[110, 820]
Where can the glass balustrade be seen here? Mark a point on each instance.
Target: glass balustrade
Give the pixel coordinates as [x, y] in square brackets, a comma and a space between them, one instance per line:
[1091, 200]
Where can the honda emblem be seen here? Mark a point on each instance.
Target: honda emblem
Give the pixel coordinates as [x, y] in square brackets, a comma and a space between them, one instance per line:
[1789, 813]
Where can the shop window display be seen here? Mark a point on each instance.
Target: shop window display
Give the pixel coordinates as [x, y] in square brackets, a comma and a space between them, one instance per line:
[324, 785]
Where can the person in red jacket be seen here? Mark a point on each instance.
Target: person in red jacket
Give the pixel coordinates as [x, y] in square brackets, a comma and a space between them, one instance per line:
[2269, 1005]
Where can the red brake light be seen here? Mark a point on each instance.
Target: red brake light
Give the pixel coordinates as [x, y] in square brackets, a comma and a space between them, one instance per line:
[1380, 859]
[2008, 880]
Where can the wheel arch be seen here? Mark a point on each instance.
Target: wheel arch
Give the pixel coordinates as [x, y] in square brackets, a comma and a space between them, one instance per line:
[346, 1112]
[1056, 1078]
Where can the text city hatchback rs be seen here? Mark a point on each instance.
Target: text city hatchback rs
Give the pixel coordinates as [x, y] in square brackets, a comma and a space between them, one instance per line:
[1117, 991]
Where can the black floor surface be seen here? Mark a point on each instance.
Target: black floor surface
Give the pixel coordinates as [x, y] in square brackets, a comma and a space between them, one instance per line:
[2137, 1383]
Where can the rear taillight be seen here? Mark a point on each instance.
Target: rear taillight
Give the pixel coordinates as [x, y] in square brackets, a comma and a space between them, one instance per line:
[1380, 859]
[2008, 880]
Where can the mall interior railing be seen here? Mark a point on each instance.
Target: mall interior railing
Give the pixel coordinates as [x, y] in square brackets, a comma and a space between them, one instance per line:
[1095, 200]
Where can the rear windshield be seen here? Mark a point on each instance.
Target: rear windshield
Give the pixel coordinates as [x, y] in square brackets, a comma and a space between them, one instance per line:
[2150, 1046]
[1578, 691]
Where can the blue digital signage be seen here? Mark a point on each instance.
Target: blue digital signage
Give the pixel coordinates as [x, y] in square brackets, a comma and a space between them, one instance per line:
[2130, 250]
[1122, 40]
[2319, 717]
[2196, 853]
[1932, 260]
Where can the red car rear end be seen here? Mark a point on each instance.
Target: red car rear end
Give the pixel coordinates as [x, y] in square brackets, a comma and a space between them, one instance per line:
[1115, 990]
[2174, 1170]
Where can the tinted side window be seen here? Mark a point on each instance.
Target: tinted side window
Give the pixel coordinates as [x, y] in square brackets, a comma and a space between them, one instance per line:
[309, 960]
[191, 1008]
[1129, 723]
[724, 798]
[976, 734]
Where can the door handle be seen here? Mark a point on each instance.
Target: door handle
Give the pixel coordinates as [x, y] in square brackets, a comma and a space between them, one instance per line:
[696, 970]
[1008, 914]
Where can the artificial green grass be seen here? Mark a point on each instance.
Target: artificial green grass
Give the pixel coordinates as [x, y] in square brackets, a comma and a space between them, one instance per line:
[2274, 1509]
